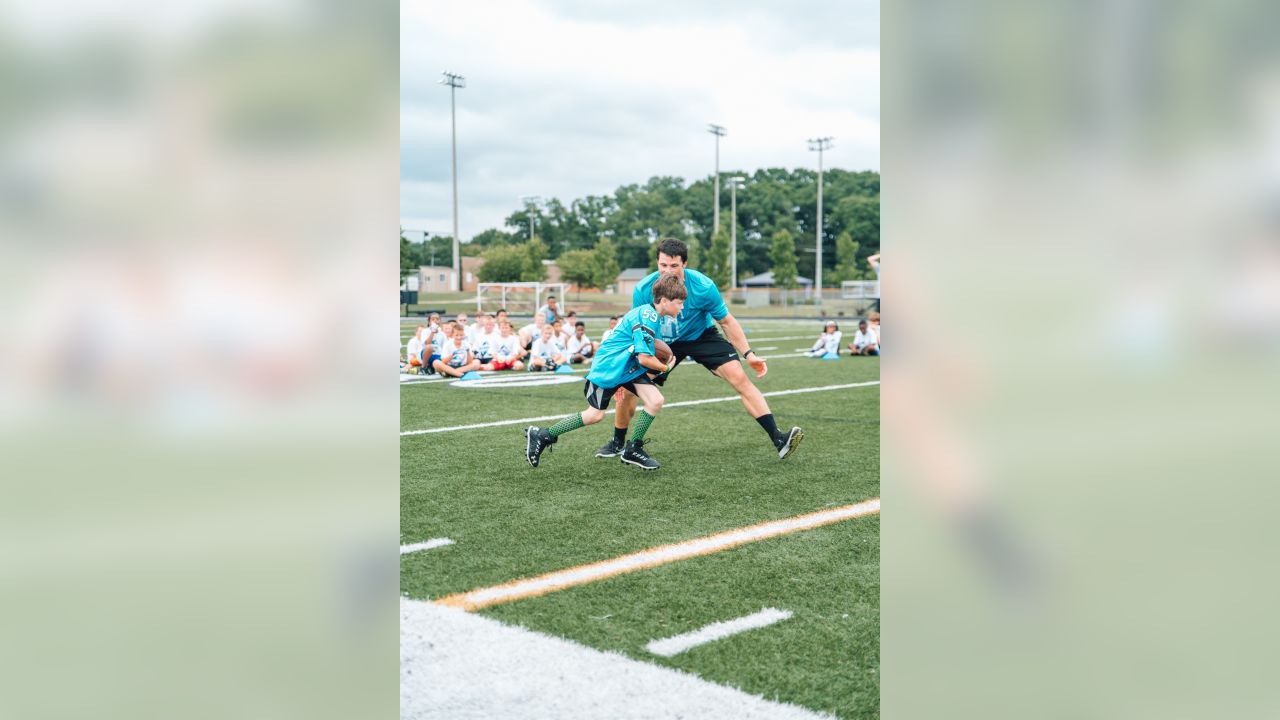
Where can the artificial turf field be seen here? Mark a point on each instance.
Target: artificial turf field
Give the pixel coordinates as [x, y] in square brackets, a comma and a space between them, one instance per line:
[719, 472]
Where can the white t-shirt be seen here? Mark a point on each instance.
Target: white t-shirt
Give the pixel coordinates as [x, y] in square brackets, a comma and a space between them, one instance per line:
[531, 329]
[575, 344]
[605, 335]
[505, 348]
[547, 350]
[861, 339]
[828, 343]
[562, 338]
[453, 354]
[414, 348]
[482, 344]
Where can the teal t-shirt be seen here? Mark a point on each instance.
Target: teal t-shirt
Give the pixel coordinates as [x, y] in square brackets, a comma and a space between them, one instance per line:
[615, 362]
[702, 307]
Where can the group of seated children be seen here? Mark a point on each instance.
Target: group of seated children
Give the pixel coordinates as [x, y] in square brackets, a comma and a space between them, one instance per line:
[865, 342]
[491, 343]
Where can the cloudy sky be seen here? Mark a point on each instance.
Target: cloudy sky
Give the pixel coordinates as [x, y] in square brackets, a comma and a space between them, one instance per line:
[567, 98]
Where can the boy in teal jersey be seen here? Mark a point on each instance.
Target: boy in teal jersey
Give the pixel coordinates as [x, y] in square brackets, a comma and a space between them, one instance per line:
[624, 360]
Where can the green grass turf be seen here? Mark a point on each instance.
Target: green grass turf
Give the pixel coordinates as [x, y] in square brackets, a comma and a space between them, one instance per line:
[719, 472]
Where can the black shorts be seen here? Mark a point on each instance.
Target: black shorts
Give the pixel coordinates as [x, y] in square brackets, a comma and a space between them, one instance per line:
[710, 350]
[599, 397]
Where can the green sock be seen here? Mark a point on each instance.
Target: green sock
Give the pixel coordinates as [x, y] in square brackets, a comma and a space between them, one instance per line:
[643, 421]
[573, 422]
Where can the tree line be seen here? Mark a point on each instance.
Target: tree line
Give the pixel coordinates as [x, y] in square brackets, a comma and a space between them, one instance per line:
[592, 238]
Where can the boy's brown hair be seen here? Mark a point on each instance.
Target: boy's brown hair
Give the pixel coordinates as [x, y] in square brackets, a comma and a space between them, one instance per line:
[669, 287]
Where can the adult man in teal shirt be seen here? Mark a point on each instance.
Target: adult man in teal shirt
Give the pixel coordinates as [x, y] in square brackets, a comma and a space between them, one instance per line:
[693, 334]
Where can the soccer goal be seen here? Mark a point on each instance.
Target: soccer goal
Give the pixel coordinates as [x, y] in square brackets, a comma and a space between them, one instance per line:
[519, 298]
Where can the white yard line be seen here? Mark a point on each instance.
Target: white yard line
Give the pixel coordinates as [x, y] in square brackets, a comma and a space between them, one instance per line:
[481, 598]
[683, 403]
[677, 644]
[455, 664]
[426, 545]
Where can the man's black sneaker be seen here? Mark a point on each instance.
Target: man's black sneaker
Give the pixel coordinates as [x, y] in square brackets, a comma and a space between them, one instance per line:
[537, 441]
[790, 443]
[633, 454]
[613, 448]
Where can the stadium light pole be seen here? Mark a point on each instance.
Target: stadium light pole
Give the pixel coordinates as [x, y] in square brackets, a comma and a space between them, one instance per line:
[719, 132]
[455, 81]
[531, 202]
[819, 144]
[734, 183]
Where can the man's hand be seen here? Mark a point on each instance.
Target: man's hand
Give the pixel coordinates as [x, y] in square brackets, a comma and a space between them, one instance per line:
[758, 364]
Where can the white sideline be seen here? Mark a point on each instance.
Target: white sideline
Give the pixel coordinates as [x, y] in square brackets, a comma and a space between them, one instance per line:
[455, 665]
[683, 403]
[677, 644]
[427, 545]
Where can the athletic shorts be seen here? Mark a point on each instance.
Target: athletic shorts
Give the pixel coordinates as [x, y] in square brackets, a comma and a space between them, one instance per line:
[710, 350]
[485, 360]
[599, 397]
[503, 364]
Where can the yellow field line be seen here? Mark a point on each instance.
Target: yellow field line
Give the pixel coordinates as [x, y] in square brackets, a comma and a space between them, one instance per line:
[582, 574]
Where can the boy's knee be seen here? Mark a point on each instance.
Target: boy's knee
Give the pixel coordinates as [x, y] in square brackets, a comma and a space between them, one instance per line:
[591, 416]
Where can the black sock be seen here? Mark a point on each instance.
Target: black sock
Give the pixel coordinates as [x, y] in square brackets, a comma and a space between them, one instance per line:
[771, 427]
[620, 435]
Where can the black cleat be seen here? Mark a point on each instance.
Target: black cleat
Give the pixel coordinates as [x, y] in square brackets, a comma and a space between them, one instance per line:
[789, 445]
[613, 448]
[537, 441]
[633, 454]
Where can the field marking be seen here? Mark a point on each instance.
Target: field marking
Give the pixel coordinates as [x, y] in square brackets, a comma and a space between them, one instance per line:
[452, 661]
[683, 403]
[677, 644]
[425, 545]
[481, 598]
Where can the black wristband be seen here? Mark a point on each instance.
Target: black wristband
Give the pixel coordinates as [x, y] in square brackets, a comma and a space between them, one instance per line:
[748, 352]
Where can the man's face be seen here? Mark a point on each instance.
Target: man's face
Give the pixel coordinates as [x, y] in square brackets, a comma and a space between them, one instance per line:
[671, 264]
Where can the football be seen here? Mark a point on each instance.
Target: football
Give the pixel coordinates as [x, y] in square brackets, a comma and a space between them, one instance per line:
[662, 351]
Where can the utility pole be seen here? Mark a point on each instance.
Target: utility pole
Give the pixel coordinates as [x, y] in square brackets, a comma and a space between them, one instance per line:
[531, 203]
[455, 81]
[734, 183]
[719, 132]
[819, 144]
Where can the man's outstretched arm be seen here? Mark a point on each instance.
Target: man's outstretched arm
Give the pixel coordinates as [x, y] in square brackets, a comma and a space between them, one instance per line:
[734, 334]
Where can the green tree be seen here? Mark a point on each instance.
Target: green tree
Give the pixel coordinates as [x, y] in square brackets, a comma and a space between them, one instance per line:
[578, 267]
[783, 254]
[716, 266]
[605, 261]
[846, 259]
[491, 237]
[504, 263]
[408, 257]
[535, 252]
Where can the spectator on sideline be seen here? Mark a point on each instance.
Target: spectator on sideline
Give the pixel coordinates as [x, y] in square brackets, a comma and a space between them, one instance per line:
[437, 340]
[546, 353]
[507, 350]
[532, 331]
[580, 347]
[874, 262]
[476, 329]
[413, 350]
[873, 323]
[483, 338]
[456, 357]
[613, 323]
[557, 328]
[828, 341]
[865, 341]
[549, 311]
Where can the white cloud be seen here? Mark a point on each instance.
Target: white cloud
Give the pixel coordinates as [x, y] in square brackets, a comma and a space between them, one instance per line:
[565, 100]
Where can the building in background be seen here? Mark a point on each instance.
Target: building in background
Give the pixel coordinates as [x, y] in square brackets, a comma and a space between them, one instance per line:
[629, 278]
